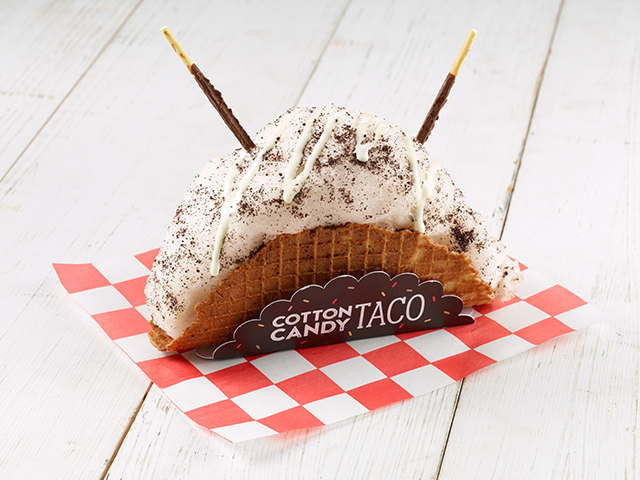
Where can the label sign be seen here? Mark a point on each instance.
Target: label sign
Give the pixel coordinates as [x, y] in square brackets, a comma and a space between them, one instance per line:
[345, 309]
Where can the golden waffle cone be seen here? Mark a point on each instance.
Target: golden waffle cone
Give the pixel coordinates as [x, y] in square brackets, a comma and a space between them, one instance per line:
[315, 256]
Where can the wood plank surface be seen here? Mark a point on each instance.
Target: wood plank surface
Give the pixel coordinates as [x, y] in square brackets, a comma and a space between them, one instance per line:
[99, 142]
[49, 369]
[569, 408]
[47, 47]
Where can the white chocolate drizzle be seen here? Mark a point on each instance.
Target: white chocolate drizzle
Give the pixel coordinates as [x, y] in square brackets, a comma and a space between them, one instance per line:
[293, 183]
[362, 149]
[231, 198]
[421, 193]
[294, 162]
[228, 207]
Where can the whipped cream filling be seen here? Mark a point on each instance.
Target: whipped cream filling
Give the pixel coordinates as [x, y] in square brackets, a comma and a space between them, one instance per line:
[312, 167]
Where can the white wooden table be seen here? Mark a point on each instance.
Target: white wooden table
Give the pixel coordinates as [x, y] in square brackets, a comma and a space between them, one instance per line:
[102, 129]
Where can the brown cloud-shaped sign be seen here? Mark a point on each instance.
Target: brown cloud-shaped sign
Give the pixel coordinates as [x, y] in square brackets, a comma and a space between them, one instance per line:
[345, 309]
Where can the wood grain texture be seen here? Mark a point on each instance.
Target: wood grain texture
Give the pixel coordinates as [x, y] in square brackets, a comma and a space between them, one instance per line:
[47, 47]
[569, 408]
[105, 136]
[48, 374]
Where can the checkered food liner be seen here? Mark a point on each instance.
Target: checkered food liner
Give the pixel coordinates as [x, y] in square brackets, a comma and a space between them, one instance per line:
[247, 398]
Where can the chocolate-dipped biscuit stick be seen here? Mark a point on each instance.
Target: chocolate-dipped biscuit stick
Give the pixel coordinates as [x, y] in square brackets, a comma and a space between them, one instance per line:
[214, 96]
[441, 99]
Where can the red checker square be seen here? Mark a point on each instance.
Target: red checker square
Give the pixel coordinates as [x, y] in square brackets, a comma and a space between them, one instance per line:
[133, 290]
[219, 414]
[555, 300]
[483, 330]
[461, 365]
[147, 258]
[293, 419]
[380, 393]
[495, 305]
[409, 335]
[542, 331]
[522, 266]
[81, 277]
[167, 371]
[251, 358]
[309, 387]
[239, 379]
[122, 323]
[328, 354]
[395, 359]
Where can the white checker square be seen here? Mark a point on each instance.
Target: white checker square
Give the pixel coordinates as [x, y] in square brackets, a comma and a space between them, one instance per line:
[582, 317]
[471, 312]
[209, 366]
[122, 269]
[101, 300]
[336, 408]
[194, 393]
[352, 373]
[422, 380]
[437, 345]
[244, 431]
[140, 349]
[283, 365]
[144, 311]
[367, 345]
[504, 347]
[265, 402]
[533, 283]
[517, 315]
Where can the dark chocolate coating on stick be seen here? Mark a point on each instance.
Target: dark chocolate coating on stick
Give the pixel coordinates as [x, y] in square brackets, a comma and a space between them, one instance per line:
[215, 97]
[438, 103]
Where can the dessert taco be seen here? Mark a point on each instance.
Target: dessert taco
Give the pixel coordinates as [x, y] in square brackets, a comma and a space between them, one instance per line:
[323, 192]
[327, 191]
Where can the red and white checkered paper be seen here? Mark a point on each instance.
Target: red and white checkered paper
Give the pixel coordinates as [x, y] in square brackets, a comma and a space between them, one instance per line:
[248, 398]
